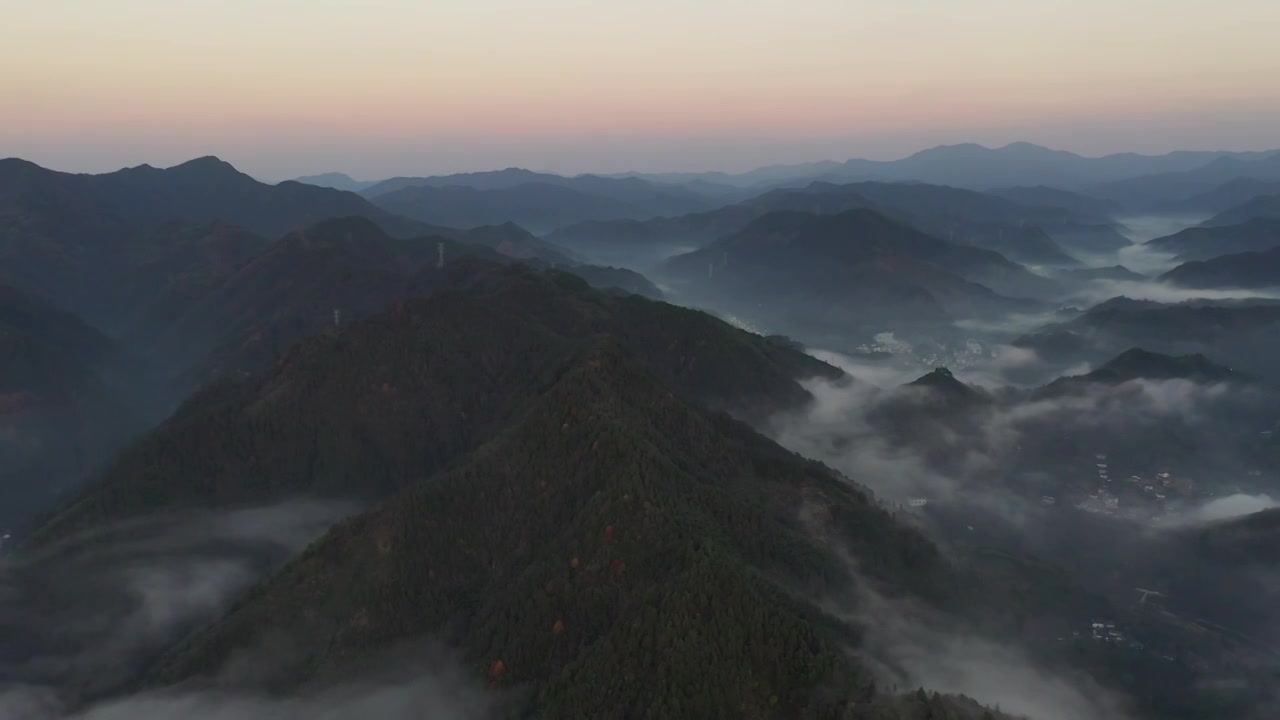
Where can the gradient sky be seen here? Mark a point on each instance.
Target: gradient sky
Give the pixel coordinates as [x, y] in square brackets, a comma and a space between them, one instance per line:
[384, 87]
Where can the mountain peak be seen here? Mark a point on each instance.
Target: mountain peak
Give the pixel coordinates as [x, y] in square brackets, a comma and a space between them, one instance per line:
[1139, 364]
[207, 164]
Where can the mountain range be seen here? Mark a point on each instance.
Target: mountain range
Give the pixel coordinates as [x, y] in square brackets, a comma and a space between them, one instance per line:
[1261, 206]
[1250, 270]
[1029, 233]
[977, 167]
[1241, 334]
[805, 275]
[74, 236]
[617, 511]
[395, 423]
[1205, 243]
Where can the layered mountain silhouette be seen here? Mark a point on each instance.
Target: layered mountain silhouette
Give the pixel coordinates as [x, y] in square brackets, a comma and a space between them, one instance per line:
[1026, 233]
[1179, 190]
[339, 414]
[337, 181]
[539, 206]
[1261, 206]
[636, 195]
[220, 301]
[1231, 194]
[1243, 270]
[974, 166]
[1084, 206]
[1205, 243]
[855, 264]
[1241, 334]
[74, 236]
[627, 281]
[1114, 272]
[1139, 364]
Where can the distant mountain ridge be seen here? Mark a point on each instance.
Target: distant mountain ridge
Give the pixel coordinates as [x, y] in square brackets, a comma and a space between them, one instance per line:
[1243, 334]
[641, 196]
[539, 206]
[1251, 270]
[955, 214]
[70, 236]
[337, 181]
[977, 167]
[1261, 206]
[1139, 364]
[1208, 242]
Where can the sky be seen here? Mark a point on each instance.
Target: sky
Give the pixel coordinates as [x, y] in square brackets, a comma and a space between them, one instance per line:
[376, 88]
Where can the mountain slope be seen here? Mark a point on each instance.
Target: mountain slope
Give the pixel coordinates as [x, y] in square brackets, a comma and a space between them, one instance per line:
[1262, 206]
[1231, 194]
[1205, 243]
[540, 206]
[784, 248]
[73, 237]
[644, 197]
[337, 181]
[1139, 364]
[391, 399]
[666, 548]
[61, 410]
[1028, 233]
[1242, 270]
[1045, 196]
[1243, 335]
[1171, 191]
[973, 166]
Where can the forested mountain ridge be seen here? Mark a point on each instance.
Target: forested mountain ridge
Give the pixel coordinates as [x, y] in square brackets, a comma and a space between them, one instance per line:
[859, 263]
[77, 237]
[1259, 270]
[1205, 243]
[389, 400]
[603, 553]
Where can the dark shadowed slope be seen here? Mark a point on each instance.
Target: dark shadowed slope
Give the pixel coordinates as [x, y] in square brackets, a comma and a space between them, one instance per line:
[622, 279]
[1204, 243]
[222, 301]
[253, 311]
[511, 240]
[1260, 270]
[391, 399]
[1262, 206]
[61, 403]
